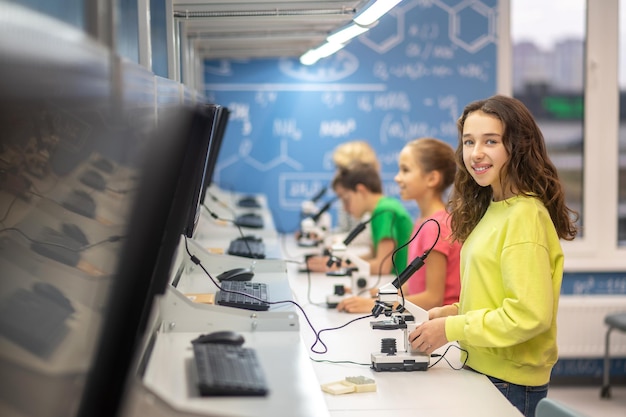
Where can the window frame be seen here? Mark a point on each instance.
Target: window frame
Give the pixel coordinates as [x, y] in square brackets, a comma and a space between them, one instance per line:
[597, 249]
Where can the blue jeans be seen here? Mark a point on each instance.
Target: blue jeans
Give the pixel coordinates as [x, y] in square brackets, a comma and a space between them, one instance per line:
[524, 398]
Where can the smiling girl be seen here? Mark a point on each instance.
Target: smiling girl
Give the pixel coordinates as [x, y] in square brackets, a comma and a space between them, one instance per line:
[508, 209]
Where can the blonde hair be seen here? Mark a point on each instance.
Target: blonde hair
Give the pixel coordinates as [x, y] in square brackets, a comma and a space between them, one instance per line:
[356, 151]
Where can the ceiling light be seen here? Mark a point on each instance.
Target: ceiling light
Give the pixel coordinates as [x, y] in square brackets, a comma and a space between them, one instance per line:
[374, 10]
[314, 55]
[310, 57]
[363, 21]
[343, 35]
[328, 49]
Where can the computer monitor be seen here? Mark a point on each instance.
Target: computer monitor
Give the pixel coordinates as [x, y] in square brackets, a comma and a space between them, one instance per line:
[214, 151]
[202, 130]
[160, 216]
[76, 289]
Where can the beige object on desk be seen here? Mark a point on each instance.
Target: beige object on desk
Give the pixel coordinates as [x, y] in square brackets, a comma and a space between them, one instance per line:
[350, 385]
[204, 298]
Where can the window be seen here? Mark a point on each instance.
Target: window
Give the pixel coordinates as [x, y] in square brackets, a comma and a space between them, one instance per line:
[548, 63]
[561, 61]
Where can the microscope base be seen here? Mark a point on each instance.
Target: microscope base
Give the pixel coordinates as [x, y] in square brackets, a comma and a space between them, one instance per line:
[333, 300]
[401, 361]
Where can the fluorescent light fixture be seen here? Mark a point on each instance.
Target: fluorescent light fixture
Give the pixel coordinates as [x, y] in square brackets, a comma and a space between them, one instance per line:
[363, 21]
[328, 49]
[313, 55]
[309, 57]
[343, 35]
[374, 10]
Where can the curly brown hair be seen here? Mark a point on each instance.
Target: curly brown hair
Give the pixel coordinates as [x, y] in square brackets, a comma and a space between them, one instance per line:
[528, 170]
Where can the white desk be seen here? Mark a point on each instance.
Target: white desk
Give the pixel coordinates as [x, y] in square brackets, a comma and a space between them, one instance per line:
[225, 207]
[168, 388]
[288, 371]
[439, 391]
[215, 234]
[294, 379]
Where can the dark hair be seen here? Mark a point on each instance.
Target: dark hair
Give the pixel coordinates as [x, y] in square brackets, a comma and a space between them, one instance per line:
[358, 173]
[528, 170]
[435, 155]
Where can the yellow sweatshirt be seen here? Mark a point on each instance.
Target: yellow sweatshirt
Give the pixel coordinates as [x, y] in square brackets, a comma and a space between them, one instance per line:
[511, 272]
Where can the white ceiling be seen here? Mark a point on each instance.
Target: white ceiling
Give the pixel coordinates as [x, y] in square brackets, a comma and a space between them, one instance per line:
[232, 29]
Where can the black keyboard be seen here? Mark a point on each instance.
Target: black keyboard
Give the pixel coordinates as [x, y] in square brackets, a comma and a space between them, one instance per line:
[251, 220]
[228, 370]
[233, 294]
[250, 248]
[35, 322]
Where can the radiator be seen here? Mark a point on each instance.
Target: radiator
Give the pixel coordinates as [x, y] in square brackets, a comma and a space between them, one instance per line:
[581, 328]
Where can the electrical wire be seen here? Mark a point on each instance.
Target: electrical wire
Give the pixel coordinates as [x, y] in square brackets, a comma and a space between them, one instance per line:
[82, 248]
[318, 334]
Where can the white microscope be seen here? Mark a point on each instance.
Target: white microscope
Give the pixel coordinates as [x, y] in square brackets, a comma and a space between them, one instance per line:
[407, 316]
[316, 222]
[350, 264]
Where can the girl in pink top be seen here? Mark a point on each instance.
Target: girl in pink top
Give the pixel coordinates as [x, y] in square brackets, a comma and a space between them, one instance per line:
[426, 170]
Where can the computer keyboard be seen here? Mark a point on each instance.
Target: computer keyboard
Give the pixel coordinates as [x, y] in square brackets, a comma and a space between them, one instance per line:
[251, 220]
[58, 246]
[228, 370]
[34, 321]
[249, 248]
[233, 294]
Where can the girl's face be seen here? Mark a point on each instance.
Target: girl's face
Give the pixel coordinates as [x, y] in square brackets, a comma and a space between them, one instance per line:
[484, 153]
[410, 177]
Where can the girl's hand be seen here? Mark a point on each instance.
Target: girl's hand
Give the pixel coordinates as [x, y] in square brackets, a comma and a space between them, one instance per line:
[429, 336]
[444, 311]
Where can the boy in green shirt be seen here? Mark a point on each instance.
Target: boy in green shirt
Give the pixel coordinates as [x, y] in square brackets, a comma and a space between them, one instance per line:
[359, 188]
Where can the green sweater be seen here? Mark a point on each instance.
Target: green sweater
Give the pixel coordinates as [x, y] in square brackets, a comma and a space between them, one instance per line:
[390, 220]
[511, 272]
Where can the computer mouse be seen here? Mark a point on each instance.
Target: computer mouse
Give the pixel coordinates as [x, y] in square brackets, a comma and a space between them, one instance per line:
[248, 201]
[73, 231]
[250, 220]
[80, 202]
[236, 274]
[225, 337]
[93, 179]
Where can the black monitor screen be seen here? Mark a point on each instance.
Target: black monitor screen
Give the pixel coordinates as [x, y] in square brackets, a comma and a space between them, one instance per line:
[156, 222]
[214, 151]
[201, 131]
[93, 203]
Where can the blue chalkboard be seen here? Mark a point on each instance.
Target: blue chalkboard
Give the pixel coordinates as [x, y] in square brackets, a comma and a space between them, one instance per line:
[408, 77]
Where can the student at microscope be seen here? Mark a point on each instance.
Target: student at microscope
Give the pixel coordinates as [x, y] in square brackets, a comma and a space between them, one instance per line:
[426, 169]
[359, 187]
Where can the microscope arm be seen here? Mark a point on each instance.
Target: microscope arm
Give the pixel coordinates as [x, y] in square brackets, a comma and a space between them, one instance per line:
[315, 225]
[388, 295]
[341, 255]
